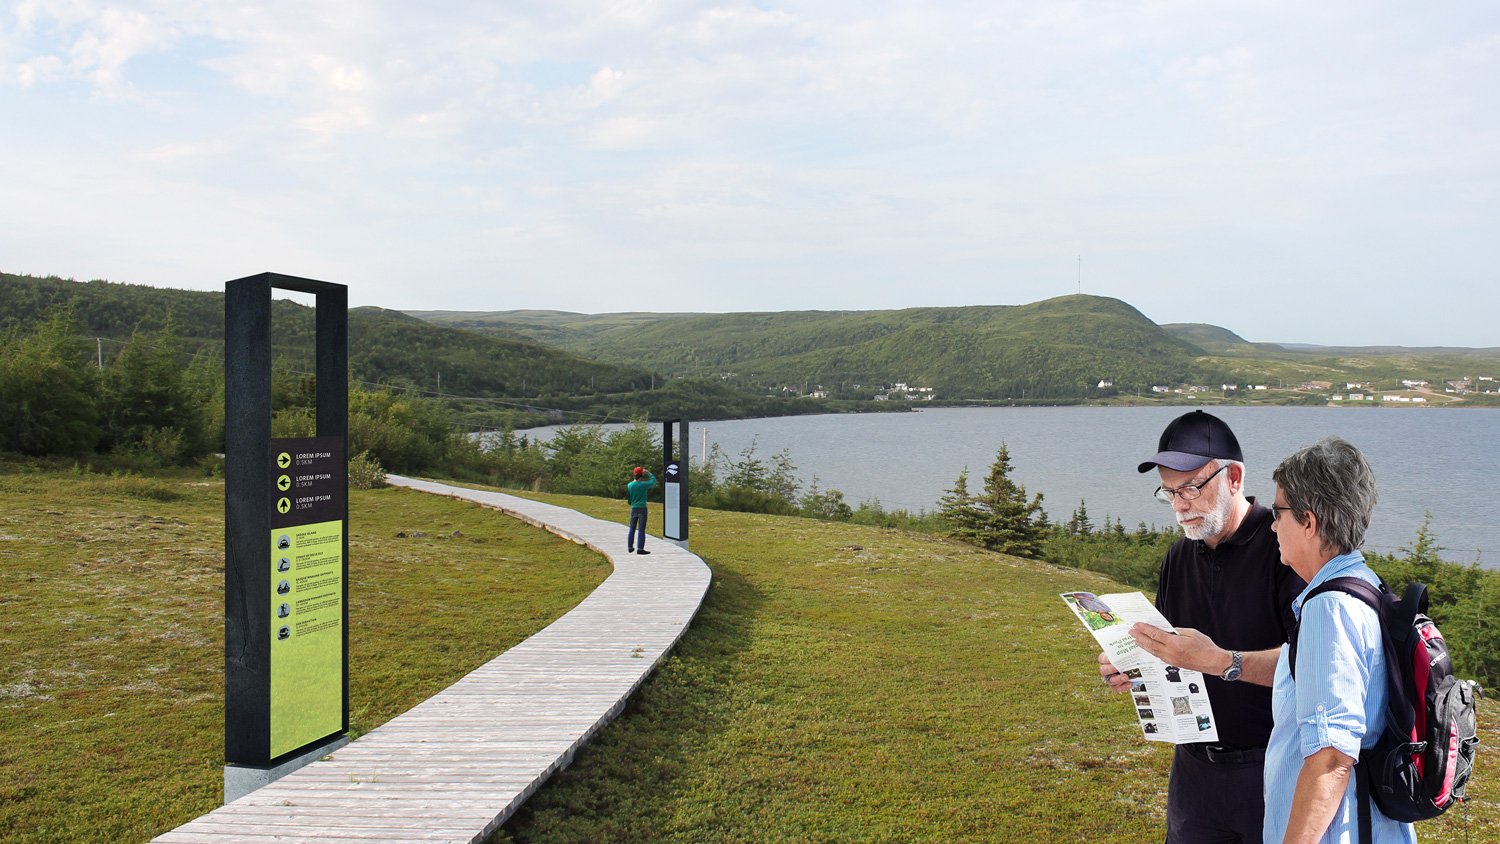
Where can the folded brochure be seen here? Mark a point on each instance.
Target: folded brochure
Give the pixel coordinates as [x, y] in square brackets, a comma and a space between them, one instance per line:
[1171, 703]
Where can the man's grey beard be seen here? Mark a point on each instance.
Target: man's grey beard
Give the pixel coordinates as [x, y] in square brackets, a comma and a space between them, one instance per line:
[1213, 520]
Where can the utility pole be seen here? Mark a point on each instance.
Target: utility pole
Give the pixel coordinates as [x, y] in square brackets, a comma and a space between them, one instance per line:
[99, 342]
[1080, 274]
[703, 455]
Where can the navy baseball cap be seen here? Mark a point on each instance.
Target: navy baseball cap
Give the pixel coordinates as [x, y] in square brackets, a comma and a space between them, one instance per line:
[1192, 440]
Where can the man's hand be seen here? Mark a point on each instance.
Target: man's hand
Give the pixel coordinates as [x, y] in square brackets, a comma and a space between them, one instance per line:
[1188, 648]
[1117, 682]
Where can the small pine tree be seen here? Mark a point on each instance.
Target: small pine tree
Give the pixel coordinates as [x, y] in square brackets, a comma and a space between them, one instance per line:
[1080, 525]
[1001, 518]
[958, 508]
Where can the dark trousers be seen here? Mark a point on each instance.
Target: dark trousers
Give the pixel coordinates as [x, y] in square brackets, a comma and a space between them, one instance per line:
[1212, 802]
[637, 524]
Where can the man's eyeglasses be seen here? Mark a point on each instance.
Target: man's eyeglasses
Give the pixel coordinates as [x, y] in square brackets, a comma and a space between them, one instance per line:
[1277, 510]
[1187, 492]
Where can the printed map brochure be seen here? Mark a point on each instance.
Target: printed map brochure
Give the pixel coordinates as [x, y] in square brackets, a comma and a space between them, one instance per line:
[1171, 703]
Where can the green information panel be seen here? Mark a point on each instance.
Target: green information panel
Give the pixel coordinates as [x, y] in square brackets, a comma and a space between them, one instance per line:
[307, 638]
[307, 591]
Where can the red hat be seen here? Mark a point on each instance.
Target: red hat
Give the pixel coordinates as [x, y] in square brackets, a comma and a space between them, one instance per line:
[639, 471]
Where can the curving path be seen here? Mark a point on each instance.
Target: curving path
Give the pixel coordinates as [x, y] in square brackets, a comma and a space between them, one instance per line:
[456, 766]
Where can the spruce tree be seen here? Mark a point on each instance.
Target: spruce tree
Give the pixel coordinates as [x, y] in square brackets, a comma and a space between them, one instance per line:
[1001, 518]
[1011, 524]
[959, 509]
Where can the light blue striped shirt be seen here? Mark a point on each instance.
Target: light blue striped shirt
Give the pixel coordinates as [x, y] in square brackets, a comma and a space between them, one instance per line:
[1337, 700]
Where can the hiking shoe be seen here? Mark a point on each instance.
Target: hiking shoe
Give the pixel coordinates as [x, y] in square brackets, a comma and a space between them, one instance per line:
[643, 551]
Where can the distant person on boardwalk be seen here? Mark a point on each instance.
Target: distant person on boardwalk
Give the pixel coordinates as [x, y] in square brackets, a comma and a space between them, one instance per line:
[1222, 582]
[636, 492]
[1336, 703]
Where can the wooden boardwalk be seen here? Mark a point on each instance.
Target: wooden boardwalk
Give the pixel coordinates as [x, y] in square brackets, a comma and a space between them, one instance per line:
[457, 765]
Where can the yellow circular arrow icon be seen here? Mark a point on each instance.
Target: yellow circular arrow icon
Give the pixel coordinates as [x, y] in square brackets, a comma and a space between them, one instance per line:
[283, 505]
[283, 460]
[284, 483]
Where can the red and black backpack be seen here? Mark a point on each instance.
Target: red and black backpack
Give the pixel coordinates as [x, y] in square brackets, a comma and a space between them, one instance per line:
[1422, 762]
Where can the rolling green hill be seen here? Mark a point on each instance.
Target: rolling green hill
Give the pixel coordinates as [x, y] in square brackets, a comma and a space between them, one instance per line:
[1056, 350]
[1062, 350]
[1212, 338]
[1059, 348]
[384, 346]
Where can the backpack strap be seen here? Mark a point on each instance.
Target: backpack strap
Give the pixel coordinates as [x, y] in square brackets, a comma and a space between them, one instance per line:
[1356, 586]
[1362, 795]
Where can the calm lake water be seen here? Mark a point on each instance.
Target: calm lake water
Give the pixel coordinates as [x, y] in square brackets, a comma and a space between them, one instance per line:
[1425, 460]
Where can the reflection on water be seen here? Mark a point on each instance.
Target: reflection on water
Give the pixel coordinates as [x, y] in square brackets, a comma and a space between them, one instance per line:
[1425, 460]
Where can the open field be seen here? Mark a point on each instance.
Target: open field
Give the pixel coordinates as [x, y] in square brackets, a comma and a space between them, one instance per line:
[111, 697]
[841, 683]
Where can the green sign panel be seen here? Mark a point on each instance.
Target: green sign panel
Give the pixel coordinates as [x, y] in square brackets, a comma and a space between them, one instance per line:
[307, 591]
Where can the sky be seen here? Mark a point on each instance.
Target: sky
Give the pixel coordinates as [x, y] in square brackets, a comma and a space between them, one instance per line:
[1318, 172]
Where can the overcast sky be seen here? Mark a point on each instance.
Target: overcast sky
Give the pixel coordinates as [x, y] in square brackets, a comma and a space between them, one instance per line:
[1302, 171]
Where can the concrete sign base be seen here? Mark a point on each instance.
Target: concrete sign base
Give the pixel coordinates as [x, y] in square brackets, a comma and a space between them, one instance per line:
[240, 780]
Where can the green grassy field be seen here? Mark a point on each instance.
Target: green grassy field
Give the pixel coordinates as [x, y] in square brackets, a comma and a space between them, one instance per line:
[841, 683]
[112, 643]
[857, 684]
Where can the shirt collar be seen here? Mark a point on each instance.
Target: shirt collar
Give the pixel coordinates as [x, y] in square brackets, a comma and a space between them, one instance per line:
[1255, 519]
[1336, 567]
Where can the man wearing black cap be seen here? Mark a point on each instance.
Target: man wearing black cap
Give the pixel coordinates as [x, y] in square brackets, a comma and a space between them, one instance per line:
[1222, 583]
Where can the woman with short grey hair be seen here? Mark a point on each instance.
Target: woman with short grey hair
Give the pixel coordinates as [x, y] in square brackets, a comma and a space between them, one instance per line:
[1332, 479]
[1336, 704]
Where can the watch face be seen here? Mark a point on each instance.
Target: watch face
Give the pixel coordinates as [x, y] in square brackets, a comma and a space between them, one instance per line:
[1232, 673]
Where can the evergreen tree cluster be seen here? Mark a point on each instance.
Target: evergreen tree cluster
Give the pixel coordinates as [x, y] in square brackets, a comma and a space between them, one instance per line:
[55, 399]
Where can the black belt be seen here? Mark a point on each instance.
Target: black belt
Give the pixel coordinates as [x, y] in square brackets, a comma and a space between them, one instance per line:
[1222, 755]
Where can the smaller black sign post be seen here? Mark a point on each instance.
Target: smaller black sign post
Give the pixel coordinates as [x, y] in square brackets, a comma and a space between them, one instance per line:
[675, 484]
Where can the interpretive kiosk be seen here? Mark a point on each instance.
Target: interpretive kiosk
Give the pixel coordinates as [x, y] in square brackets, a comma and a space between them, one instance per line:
[675, 483]
[286, 545]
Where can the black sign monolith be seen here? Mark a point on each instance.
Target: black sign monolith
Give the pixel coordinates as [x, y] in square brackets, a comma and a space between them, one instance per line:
[286, 544]
[675, 483]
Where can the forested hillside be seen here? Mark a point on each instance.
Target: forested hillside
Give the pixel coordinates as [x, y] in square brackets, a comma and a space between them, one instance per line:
[384, 346]
[1056, 349]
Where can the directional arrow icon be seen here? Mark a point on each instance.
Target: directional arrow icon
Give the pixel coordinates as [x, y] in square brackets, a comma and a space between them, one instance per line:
[283, 505]
[283, 460]
[284, 483]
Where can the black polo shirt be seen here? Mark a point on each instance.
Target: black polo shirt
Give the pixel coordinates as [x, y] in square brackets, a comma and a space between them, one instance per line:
[1240, 595]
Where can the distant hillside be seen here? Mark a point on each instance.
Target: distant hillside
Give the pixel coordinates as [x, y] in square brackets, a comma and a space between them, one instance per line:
[1061, 348]
[384, 346]
[708, 366]
[1212, 338]
[555, 328]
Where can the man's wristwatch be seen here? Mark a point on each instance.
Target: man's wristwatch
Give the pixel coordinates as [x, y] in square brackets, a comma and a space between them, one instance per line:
[1232, 673]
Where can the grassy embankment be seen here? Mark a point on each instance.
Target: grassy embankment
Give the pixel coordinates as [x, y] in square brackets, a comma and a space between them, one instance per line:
[840, 683]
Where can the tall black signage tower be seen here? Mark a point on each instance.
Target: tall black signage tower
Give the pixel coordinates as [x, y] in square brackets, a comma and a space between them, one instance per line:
[286, 547]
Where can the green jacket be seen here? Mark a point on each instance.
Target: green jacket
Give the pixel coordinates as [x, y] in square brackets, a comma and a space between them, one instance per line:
[636, 491]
